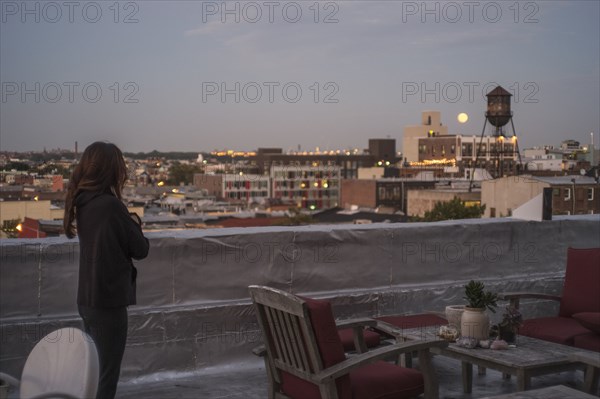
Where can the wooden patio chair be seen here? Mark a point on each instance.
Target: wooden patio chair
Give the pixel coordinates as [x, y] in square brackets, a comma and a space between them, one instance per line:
[305, 358]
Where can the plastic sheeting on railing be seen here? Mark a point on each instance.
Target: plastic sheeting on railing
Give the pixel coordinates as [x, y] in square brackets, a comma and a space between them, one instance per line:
[193, 308]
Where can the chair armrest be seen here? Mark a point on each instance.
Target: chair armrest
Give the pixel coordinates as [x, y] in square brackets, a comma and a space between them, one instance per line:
[343, 368]
[360, 322]
[260, 351]
[12, 381]
[358, 327]
[515, 297]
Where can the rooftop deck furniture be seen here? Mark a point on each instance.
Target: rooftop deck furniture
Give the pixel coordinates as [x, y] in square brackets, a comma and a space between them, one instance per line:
[305, 357]
[63, 364]
[532, 357]
[592, 372]
[359, 338]
[580, 298]
[372, 339]
[555, 392]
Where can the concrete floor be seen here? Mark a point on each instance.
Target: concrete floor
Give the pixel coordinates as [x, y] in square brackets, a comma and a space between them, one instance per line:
[249, 382]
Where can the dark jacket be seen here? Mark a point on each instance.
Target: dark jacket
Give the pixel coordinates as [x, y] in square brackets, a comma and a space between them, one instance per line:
[108, 240]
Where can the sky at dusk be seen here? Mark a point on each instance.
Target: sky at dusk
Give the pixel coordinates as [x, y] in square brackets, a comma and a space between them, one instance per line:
[199, 76]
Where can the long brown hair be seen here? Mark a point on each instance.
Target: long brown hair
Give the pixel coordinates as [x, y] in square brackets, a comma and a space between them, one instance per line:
[101, 168]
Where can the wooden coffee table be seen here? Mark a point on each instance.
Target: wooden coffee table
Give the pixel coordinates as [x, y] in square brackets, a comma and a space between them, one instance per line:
[532, 357]
[555, 392]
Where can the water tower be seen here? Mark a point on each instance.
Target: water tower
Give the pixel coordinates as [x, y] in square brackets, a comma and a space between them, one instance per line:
[498, 109]
[500, 154]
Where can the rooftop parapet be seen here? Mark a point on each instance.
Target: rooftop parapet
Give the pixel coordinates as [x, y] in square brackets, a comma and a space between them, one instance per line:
[193, 308]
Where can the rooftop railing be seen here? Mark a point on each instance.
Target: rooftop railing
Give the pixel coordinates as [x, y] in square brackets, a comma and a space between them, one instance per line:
[193, 308]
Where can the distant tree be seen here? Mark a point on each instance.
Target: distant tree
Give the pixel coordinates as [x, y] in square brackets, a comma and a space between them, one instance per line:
[181, 173]
[454, 209]
[41, 157]
[52, 169]
[9, 227]
[296, 218]
[19, 166]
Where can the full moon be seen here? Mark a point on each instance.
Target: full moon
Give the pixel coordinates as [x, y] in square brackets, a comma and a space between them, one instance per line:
[462, 117]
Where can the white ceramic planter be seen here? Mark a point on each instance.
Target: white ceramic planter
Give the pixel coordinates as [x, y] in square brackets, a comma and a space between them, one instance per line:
[475, 323]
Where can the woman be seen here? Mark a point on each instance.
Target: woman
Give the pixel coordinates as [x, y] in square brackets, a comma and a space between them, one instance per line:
[109, 238]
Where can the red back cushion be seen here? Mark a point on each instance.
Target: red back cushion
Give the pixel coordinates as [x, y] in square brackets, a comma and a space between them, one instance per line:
[582, 282]
[331, 349]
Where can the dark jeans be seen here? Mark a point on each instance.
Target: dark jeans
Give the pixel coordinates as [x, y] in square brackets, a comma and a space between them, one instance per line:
[108, 329]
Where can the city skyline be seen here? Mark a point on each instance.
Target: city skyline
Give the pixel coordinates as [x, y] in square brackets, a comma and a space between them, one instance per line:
[173, 76]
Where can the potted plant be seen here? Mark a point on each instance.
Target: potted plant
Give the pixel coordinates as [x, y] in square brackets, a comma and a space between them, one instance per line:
[474, 321]
[509, 326]
[453, 315]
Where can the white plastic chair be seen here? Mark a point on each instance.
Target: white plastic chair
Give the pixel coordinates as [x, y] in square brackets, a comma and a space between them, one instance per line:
[64, 364]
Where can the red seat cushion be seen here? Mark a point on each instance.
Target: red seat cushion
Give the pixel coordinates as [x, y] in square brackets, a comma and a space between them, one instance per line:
[582, 282]
[372, 339]
[383, 380]
[590, 320]
[590, 341]
[330, 348]
[561, 330]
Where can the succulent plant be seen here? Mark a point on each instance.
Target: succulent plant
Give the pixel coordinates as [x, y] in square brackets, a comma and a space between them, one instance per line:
[477, 297]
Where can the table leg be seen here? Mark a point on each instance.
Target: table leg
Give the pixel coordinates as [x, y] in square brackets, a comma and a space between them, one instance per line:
[523, 380]
[467, 376]
[591, 379]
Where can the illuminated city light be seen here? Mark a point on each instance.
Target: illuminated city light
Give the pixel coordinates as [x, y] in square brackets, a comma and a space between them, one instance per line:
[434, 162]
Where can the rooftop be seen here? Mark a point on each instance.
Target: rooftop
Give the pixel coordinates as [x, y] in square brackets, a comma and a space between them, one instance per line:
[249, 381]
